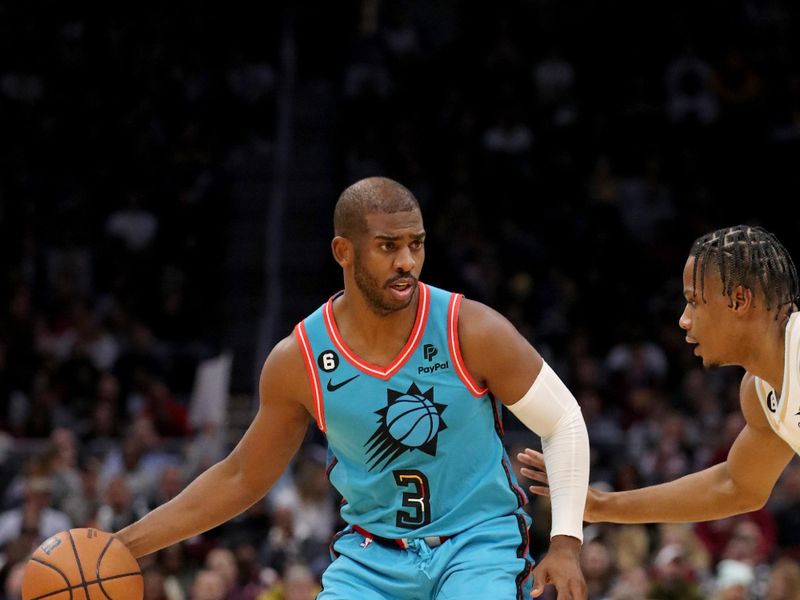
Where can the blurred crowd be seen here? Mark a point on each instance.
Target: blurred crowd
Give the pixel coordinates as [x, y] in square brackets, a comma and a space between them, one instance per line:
[564, 159]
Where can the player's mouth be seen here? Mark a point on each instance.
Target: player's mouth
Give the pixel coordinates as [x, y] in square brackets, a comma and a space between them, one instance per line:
[693, 342]
[401, 289]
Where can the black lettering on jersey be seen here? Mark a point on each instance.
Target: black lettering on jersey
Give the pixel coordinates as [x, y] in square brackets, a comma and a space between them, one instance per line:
[772, 403]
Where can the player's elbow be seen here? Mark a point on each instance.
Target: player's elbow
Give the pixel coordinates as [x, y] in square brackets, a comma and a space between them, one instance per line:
[753, 501]
[747, 500]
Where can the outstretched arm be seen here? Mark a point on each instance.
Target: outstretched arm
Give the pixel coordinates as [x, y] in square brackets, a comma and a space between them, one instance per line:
[244, 476]
[740, 484]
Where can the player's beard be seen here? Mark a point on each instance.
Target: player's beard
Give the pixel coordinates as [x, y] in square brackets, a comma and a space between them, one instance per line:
[374, 293]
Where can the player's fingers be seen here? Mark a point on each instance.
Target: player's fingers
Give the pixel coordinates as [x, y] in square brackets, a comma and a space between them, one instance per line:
[577, 588]
[539, 490]
[531, 458]
[533, 474]
[540, 580]
[565, 590]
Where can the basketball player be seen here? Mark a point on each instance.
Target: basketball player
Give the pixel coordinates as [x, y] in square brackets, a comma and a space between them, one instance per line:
[403, 379]
[741, 292]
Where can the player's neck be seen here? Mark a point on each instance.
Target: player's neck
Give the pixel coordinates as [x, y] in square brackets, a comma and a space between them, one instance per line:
[766, 355]
[373, 336]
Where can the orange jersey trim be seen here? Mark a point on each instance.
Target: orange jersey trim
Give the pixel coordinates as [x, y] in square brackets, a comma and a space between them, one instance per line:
[404, 354]
[455, 347]
[313, 376]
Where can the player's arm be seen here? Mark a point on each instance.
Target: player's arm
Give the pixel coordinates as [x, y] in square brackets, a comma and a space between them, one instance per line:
[741, 484]
[503, 360]
[246, 474]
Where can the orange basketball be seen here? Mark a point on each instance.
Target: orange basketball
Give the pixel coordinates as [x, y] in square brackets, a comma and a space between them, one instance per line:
[82, 564]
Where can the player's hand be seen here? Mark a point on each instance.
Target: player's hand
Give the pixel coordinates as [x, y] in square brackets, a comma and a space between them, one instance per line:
[561, 568]
[538, 472]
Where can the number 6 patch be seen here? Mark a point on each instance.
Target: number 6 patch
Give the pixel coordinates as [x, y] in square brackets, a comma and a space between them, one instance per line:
[328, 360]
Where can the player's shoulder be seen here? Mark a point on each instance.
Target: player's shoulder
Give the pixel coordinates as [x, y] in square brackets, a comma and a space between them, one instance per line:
[284, 364]
[284, 378]
[748, 383]
[287, 351]
[747, 388]
[473, 312]
[749, 402]
[481, 322]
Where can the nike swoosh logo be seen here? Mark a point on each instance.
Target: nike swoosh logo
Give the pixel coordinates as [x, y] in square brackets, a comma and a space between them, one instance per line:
[332, 387]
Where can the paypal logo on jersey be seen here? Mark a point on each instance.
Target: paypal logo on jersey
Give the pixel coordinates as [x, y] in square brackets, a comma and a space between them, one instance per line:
[429, 351]
[433, 368]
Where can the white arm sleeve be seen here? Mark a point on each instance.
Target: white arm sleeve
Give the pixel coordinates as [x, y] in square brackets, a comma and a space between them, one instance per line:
[550, 410]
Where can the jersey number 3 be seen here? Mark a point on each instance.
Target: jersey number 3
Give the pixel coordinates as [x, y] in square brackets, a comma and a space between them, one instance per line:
[418, 499]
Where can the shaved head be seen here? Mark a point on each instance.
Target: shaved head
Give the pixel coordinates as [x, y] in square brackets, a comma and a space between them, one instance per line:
[371, 195]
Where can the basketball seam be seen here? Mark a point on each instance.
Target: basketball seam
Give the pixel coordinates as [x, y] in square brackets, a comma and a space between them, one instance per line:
[69, 588]
[100, 560]
[80, 566]
[60, 572]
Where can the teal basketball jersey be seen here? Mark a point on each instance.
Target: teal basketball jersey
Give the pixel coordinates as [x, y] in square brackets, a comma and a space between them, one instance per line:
[415, 446]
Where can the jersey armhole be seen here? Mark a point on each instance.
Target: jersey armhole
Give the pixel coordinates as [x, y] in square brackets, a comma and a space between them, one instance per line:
[455, 347]
[313, 377]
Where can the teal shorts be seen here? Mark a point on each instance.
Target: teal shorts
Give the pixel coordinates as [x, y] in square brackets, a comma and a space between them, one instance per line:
[488, 561]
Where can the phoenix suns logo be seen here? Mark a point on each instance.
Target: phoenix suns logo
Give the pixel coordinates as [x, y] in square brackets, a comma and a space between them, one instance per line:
[411, 420]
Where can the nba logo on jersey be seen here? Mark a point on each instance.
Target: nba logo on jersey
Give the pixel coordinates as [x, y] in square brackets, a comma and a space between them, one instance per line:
[411, 420]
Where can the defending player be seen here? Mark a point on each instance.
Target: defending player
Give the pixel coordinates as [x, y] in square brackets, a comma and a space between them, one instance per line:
[741, 292]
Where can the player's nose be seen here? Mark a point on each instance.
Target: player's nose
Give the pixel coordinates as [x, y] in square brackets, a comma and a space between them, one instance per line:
[685, 322]
[404, 260]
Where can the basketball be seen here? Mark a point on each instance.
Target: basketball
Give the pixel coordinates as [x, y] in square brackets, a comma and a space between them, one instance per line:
[412, 420]
[82, 564]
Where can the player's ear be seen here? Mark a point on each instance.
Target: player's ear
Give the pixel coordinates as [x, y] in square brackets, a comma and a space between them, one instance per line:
[343, 251]
[741, 299]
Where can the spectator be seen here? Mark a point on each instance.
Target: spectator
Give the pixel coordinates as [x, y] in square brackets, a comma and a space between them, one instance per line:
[787, 511]
[303, 512]
[135, 226]
[223, 562]
[172, 563]
[13, 583]
[598, 568]
[34, 520]
[154, 584]
[82, 506]
[121, 507]
[297, 583]
[734, 579]
[784, 581]
[62, 458]
[632, 584]
[208, 585]
[690, 98]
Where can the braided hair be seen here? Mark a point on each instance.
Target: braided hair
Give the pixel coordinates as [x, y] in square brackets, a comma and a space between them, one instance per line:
[751, 257]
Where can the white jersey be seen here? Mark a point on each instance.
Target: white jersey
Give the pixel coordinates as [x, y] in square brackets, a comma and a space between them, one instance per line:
[783, 412]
